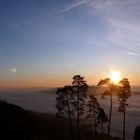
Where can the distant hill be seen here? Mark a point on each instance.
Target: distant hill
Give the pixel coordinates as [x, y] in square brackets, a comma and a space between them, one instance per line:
[16, 123]
[49, 90]
[19, 124]
[91, 90]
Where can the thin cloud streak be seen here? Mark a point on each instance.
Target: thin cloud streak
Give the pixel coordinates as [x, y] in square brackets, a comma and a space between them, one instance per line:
[75, 5]
[133, 54]
[70, 7]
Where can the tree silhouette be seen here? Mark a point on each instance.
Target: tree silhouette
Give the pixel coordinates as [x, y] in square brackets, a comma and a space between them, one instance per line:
[102, 118]
[80, 89]
[123, 95]
[137, 133]
[63, 105]
[93, 110]
[109, 91]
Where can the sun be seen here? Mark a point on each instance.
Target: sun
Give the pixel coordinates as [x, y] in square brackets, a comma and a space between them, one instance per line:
[115, 77]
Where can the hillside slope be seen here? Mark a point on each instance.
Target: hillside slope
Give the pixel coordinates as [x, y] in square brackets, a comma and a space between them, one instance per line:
[19, 124]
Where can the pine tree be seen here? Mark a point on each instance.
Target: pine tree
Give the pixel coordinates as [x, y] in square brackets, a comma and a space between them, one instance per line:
[102, 118]
[63, 105]
[123, 94]
[111, 88]
[80, 89]
[137, 133]
[93, 110]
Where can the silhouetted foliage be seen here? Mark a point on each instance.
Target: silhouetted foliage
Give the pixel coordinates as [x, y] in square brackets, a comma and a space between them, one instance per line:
[96, 115]
[109, 91]
[137, 133]
[123, 92]
[123, 95]
[80, 88]
[93, 111]
[104, 82]
[64, 100]
[102, 118]
[70, 99]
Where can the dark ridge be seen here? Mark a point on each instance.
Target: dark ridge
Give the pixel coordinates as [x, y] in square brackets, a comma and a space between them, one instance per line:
[16, 123]
[19, 124]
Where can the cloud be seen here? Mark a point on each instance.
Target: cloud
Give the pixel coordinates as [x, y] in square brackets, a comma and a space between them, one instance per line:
[13, 70]
[74, 5]
[121, 19]
[124, 34]
[115, 7]
[66, 9]
[133, 53]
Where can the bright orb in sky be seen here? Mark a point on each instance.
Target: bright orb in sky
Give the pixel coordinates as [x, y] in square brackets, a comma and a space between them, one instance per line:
[115, 77]
[13, 70]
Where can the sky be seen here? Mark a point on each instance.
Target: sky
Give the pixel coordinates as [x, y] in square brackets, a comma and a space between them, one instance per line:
[46, 42]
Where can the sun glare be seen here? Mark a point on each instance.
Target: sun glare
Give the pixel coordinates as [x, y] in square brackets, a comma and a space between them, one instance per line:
[115, 77]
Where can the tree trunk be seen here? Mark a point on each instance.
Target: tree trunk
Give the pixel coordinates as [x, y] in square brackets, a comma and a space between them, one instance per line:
[110, 116]
[95, 133]
[70, 120]
[95, 130]
[124, 124]
[78, 121]
[124, 119]
[102, 130]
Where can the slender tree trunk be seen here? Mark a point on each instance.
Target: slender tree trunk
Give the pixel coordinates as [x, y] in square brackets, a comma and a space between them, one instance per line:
[70, 120]
[95, 133]
[124, 124]
[102, 130]
[87, 134]
[95, 130]
[124, 118]
[110, 116]
[78, 121]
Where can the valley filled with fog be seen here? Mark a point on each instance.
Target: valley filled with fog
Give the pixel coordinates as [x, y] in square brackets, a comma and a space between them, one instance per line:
[33, 99]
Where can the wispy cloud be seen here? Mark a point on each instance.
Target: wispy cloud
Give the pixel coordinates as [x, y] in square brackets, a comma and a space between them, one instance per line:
[121, 18]
[74, 5]
[124, 34]
[66, 9]
[133, 53]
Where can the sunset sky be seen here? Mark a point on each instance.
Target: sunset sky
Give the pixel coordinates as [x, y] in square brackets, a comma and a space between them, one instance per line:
[46, 42]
